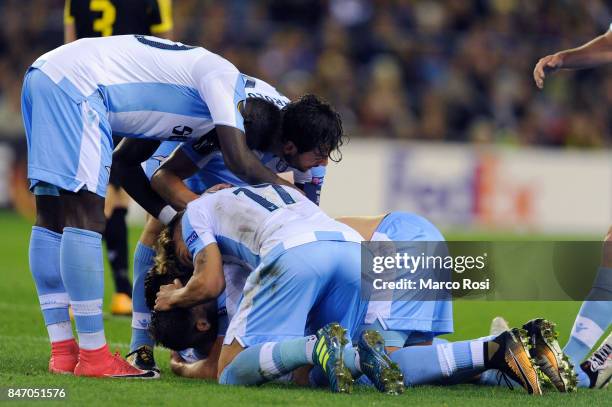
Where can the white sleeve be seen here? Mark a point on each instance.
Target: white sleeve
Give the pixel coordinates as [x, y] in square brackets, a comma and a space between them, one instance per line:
[223, 92]
[198, 228]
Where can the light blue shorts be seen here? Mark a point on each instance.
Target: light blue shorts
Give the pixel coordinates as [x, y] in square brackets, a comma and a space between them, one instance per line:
[406, 314]
[69, 140]
[305, 288]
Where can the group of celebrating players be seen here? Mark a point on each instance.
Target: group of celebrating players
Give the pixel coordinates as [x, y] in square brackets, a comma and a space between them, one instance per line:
[238, 270]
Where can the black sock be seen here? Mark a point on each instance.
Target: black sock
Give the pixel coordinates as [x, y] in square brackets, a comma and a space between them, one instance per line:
[117, 248]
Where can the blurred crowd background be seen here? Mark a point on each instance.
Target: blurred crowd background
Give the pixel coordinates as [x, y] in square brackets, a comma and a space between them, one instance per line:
[453, 70]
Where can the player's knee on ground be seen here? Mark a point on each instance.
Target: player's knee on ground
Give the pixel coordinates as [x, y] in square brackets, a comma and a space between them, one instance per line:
[49, 214]
[84, 210]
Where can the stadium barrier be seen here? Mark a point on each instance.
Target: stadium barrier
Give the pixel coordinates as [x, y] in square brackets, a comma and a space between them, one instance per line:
[507, 188]
[457, 186]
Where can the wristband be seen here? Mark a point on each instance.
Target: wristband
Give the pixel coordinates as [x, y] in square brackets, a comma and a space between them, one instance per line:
[166, 214]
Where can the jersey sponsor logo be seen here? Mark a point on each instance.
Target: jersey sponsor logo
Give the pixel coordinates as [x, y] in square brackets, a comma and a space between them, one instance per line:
[182, 130]
[192, 238]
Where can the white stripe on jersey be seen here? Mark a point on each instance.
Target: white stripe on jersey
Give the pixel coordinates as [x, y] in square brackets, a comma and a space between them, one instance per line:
[90, 149]
[141, 124]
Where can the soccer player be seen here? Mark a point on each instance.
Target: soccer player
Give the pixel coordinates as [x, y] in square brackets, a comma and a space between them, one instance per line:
[306, 268]
[74, 99]
[408, 324]
[86, 19]
[595, 314]
[405, 321]
[308, 123]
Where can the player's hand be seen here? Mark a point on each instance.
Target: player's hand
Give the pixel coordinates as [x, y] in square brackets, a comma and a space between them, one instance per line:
[217, 187]
[546, 65]
[164, 300]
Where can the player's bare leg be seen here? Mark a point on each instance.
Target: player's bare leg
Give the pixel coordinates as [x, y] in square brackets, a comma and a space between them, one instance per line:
[45, 243]
[364, 225]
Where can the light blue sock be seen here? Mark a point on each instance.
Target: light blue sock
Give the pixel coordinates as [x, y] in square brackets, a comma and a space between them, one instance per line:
[440, 364]
[44, 256]
[82, 272]
[593, 319]
[141, 314]
[268, 361]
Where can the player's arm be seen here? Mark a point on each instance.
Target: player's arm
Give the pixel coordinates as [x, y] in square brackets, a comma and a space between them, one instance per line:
[223, 92]
[240, 160]
[594, 53]
[69, 27]
[167, 181]
[127, 159]
[202, 369]
[206, 283]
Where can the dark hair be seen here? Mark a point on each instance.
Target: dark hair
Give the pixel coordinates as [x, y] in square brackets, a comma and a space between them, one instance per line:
[262, 120]
[176, 329]
[312, 124]
[167, 267]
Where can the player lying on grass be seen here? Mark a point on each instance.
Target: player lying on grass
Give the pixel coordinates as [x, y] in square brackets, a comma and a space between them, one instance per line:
[407, 321]
[438, 364]
[306, 268]
[291, 142]
[595, 315]
[74, 99]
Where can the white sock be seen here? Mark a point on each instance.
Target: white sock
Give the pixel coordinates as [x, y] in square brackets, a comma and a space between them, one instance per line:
[357, 361]
[61, 331]
[92, 341]
[310, 343]
[477, 351]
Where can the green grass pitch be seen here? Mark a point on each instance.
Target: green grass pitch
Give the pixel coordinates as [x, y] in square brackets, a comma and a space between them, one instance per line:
[24, 352]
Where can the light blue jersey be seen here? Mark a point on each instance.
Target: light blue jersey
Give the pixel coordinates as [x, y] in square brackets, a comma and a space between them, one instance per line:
[77, 95]
[214, 171]
[212, 167]
[406, 322]
[306, 266]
